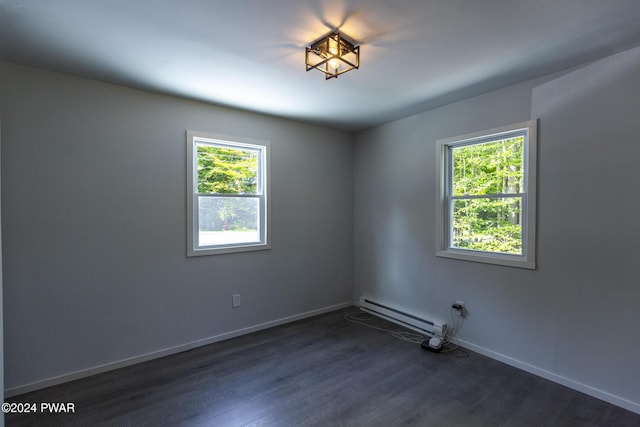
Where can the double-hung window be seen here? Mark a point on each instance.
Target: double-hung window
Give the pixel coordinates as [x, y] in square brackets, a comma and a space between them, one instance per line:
[227, 194]
[487, 196]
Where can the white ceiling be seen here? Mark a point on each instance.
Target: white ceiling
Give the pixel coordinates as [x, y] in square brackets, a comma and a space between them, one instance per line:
[415, 54]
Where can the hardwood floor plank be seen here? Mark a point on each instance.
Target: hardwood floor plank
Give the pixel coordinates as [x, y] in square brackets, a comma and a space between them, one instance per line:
[322, 371]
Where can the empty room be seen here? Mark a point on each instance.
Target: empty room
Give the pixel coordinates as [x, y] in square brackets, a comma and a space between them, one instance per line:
[320, 213]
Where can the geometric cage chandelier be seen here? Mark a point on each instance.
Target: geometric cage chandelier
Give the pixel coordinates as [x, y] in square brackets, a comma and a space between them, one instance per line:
[332, 55]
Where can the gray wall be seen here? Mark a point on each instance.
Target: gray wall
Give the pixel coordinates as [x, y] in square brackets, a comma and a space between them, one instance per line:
[576, 316]
[94, 225]
[1, 305]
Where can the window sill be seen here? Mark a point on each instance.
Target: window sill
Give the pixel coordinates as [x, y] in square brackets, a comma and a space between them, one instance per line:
[488, 258]
[228, 249]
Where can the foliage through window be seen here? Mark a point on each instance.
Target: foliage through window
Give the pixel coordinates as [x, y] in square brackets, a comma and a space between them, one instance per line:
[487, 198]
[227, 195]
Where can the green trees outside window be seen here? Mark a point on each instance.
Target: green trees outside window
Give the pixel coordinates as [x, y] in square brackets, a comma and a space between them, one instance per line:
[487, 181]
[225, 170]
[223, 174]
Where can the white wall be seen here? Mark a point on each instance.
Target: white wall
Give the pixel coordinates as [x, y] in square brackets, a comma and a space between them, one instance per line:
[575, 318]
[94, 225]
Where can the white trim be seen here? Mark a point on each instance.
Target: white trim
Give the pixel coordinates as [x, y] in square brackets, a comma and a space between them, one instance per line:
[559, 379]
[264, 147]
[83, 373]
[443, 175]
[486, 258]
[489, 196]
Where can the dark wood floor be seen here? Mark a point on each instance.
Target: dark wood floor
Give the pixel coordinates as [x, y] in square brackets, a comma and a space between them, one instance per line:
[323, 371]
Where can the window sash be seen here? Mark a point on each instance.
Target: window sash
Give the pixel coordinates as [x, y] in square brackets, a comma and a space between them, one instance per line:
[449, 206]
[483, 140]
[239, 146]
[450, 198]
[196, 220]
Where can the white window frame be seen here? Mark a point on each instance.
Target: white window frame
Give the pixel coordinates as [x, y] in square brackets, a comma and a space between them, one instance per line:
[444, 198]
[263, 193]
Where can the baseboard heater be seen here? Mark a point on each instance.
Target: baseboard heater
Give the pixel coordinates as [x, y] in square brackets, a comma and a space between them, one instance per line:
[407, 320]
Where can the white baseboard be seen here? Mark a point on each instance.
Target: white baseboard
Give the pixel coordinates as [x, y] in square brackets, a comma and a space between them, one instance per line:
[567, 382]
[26, 388]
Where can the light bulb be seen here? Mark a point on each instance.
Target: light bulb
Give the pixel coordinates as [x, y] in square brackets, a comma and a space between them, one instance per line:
[334, 64]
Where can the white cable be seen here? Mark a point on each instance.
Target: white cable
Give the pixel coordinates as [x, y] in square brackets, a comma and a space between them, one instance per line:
[450, 336]
[449, 343]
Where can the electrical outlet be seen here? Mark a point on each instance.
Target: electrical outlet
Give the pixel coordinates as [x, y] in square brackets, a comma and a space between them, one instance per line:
[235, 300]
[459, 307]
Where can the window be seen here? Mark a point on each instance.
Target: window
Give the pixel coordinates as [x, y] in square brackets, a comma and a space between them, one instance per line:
[487, 196]
[227, 195]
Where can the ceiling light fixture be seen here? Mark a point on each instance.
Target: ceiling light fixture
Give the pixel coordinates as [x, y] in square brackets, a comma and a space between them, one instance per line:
[333, 55]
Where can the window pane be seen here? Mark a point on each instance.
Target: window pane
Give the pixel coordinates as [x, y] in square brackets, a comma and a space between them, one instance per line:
[492, 225]
[488, 168]
[227, 170]
[228, 220]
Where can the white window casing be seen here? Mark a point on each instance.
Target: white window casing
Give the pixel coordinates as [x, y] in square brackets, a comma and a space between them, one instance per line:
[200, 242]
[527, 196]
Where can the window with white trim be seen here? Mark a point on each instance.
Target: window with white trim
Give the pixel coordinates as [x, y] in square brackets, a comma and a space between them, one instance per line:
[227, 194]
[486, 206]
